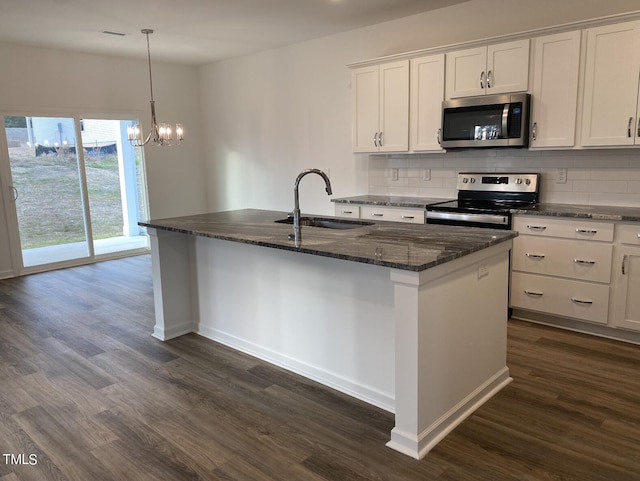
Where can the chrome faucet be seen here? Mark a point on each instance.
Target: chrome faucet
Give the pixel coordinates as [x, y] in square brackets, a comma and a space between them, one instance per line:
[297, 234]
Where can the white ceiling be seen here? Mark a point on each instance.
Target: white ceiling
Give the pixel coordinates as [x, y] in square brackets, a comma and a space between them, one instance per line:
[191, 31]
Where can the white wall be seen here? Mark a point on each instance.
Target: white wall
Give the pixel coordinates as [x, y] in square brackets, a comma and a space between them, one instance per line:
[272, 114]
[52, 82]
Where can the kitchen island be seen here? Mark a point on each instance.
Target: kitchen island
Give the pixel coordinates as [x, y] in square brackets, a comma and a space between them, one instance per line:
[410, 318]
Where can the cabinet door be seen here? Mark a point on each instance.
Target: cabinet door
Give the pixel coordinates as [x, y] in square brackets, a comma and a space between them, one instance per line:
[466, 72]
[626, 309]
[611, 85]
[393, 134]
[365, 85]
[555, 90]
[508, 67]
[427, 94]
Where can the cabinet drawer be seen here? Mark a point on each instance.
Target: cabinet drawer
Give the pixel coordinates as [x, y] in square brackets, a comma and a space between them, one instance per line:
[394, 214]
[561, 297]
[589, 261]
[348, 210]
[562, 227]
[629, 233]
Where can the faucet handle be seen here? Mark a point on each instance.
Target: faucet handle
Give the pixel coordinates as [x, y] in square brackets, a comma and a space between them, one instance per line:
[289, 215]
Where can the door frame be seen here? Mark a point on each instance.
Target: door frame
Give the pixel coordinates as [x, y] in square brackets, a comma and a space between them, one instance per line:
[8, 201]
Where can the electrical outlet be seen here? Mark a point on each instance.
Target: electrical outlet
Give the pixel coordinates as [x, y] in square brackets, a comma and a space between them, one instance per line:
[561, 176]
[483, 270]
[426, 174]
[393, 173]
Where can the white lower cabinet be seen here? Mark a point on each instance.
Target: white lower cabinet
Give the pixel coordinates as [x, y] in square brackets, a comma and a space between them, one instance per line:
[626, 300]
[562, 267]
[394, 214]
[561, 297]
[348, 210]
[407, 215]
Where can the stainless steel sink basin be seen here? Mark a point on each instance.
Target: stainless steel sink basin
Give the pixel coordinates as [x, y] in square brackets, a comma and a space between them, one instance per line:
[326, 222]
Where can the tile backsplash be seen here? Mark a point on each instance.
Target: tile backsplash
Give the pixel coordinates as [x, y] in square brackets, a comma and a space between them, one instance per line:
[593, 177]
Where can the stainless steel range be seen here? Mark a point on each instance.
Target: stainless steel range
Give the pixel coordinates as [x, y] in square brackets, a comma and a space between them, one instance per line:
[485, 200]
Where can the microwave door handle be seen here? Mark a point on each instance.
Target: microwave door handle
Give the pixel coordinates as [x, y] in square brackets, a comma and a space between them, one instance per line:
[505, 121]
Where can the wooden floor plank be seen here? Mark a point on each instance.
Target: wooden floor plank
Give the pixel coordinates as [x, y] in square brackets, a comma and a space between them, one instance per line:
[85, 387]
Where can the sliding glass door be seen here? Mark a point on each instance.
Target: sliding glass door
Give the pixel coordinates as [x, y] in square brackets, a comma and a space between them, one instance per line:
[47, 187]
[78, 188]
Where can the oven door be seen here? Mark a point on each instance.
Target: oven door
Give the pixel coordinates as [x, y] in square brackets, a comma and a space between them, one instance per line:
[486, 220]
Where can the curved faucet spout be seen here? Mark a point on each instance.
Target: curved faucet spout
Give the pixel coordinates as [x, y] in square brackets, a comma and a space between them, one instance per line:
[297, 234]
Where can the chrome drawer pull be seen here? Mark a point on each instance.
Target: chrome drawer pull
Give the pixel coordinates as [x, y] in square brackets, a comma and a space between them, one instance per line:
[586, 231]
[536, 227]
[408, 216]
[347, 212]
[580, 261]
[375, 214]
[578, 301]
[535, 256]
[533, 293]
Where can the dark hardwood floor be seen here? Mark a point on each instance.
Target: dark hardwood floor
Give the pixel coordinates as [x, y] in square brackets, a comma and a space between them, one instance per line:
[87, 390]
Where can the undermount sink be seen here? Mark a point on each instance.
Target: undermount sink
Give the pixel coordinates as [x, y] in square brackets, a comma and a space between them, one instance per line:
[326, 222]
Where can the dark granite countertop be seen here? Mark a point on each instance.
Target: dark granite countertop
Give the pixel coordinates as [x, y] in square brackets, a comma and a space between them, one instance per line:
[598, 212]
[390, 200]
[412, 247]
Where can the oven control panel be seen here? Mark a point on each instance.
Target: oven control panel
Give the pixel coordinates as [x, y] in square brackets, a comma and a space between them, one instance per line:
[498, 182]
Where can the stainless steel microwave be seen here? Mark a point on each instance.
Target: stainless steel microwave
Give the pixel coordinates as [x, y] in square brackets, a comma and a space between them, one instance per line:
[486, 121]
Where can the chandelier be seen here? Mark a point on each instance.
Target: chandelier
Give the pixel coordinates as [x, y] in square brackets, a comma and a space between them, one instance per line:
[161, 134]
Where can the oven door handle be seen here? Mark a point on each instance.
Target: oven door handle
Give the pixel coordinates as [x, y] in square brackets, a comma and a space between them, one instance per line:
[462, 217]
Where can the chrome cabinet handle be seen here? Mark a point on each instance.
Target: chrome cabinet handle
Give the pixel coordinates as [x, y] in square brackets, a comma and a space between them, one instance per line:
[586, 231]
[375, 139]
[638, 125]
[439, 137]
[535, 256]
[489, 79]
[579, 301]
[482, 79]
[624, 264]
[534, 131]
[15, 194]
[408, 216]
[380, 139]
[580, 261]
[346, 212]
[533, 293]
[375, 214]
[536, 227]
[629, 127]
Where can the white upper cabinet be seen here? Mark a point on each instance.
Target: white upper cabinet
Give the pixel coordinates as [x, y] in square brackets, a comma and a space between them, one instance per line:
[611, 86]
[380, 96]
[556, 62]
[494, 69]
[427, 94]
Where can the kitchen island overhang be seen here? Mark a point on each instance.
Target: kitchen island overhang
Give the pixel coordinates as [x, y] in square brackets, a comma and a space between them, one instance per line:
[415, 323]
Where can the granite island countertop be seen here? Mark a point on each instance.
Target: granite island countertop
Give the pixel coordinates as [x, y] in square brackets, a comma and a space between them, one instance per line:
[412, 247]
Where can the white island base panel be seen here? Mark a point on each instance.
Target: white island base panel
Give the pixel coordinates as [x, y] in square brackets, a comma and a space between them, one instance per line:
[428, 346]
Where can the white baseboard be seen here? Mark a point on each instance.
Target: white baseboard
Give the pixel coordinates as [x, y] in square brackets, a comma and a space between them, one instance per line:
[418, 446]
[365, 393]
[175, 331]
